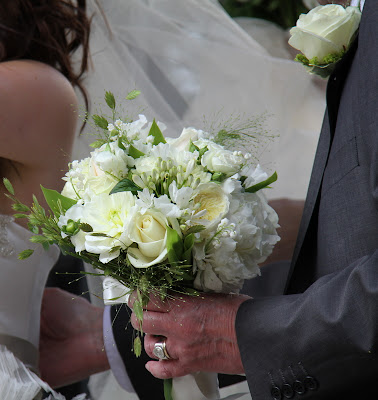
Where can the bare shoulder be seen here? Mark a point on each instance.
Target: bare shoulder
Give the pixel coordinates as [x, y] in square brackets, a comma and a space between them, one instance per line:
[31, 77]
[38, 107]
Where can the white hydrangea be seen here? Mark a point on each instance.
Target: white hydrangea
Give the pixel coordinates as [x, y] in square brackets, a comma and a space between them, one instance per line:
[228, 255]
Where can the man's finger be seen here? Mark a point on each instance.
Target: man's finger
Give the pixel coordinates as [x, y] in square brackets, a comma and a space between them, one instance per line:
[166, 369]
[154, 323]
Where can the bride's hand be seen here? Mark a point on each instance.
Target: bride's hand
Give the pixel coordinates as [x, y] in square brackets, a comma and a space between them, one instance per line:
[71, 342]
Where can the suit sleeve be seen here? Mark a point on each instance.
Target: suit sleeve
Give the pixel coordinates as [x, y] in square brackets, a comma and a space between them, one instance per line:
[318, 344]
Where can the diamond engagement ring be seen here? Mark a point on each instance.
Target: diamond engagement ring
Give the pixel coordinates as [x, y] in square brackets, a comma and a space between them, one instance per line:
[160, 351]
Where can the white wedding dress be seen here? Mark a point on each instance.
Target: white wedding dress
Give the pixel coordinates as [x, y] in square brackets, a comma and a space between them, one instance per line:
[21, 289]
[191, 60]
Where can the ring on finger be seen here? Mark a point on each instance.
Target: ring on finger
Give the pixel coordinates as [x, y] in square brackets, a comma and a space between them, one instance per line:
[160, 350]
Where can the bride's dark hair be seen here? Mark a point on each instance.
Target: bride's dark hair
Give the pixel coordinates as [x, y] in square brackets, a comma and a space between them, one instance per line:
[48, 31]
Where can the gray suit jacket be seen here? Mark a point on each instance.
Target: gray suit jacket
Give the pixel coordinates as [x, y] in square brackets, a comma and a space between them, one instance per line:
[319, 340]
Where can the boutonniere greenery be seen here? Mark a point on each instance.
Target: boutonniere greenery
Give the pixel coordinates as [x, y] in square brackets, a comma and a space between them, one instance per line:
[323, 36]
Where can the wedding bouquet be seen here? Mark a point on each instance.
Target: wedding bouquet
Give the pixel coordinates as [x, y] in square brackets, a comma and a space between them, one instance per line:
[158, 214]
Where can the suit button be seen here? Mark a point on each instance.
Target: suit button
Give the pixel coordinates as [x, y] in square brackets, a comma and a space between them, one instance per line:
[310, 383]
[299, 387]
[276, 393]
[287, 391]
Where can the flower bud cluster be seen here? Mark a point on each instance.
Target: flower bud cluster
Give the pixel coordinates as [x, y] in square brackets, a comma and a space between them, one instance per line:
[164, 173]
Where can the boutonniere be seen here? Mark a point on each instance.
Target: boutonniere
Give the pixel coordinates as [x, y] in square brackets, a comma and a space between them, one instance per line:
[323, 36]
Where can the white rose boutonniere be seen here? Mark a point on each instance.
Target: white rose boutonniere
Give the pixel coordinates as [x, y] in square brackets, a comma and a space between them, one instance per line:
[323, 35]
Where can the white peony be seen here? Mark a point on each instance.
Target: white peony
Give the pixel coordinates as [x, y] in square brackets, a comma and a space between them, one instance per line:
[325, 30]
[108, 216]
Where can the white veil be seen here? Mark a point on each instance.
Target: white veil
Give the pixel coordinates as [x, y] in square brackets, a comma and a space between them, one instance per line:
[191, 60]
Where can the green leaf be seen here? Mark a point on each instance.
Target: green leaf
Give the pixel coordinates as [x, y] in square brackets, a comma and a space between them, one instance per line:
[8, 186]
[85, 227]
[218, 177]
[25, 254]
[20, 207]
[168, 385]
[56, 201]
[20, 215]
[193, 147]
[110, 100]
[263, 184]
[120, 144]
[101, 122]
[155, 132]
[137, 346]
[188, 246]
[98, 143]
[33, 228]
[203, 151]
[138, 310]
[135, 153]
[38, 239]
[175, 246]
[133, 95]
[126, 185]
[195, 229]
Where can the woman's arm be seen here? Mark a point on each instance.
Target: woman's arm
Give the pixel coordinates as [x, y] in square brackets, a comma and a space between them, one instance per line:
[38, 119]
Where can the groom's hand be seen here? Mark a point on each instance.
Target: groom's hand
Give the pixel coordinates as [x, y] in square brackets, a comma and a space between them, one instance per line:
[200, 334]
[71, 342]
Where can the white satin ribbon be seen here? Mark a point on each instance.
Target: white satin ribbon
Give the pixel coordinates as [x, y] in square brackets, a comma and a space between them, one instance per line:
[114, 292]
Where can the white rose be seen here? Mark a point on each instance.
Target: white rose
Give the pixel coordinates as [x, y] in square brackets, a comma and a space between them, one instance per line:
[218, 159]
[149, 232]
[325, 30]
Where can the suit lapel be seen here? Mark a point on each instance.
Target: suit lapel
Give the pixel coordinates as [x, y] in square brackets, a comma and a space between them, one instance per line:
[334, 90]
[369, 49]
